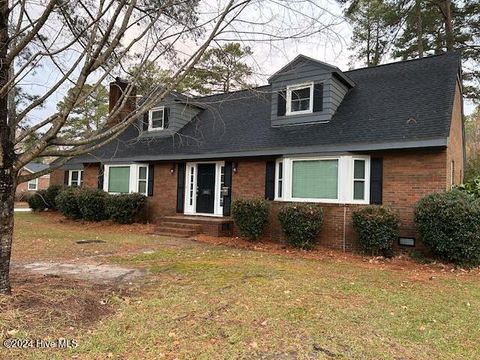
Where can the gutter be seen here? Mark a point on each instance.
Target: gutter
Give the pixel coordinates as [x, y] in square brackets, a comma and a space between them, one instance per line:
[302, 150]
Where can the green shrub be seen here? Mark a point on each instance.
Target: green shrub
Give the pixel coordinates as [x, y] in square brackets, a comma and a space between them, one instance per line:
[67, 203]
[450, 227]
[250, 216]
[51, 193]
[377, 228]
[38, 201]
[125, 208]
[91, 203]
[301, 224]
[471, 187]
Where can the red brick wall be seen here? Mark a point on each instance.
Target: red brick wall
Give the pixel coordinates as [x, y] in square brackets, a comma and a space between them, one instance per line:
[164, 199]
[90, 175]
[456, 143]
[407, 177]
[57, 177]
[249, 180]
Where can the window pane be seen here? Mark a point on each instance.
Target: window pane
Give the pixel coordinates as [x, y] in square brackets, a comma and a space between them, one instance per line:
[301, 94]
[280, 180]
[74, 176]
[359, 169]
[119, 179]
[142, 173]
[316, 179]
[142, 187]
[32, 184]
[358, 190]
[157, 119]
[300, 99]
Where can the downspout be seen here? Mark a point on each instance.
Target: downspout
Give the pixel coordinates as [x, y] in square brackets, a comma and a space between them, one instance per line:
[344, 245]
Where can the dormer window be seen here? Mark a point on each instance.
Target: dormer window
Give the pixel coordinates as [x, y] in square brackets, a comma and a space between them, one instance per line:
[300, 99]
[157, 119]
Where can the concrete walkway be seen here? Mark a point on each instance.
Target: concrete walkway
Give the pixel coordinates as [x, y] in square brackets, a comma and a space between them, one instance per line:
[100, 273]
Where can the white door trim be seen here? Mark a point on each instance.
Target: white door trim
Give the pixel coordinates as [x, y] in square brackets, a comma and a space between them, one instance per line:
[190, 203]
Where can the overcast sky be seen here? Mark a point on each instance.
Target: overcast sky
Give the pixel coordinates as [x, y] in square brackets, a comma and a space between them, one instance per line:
[330, 45]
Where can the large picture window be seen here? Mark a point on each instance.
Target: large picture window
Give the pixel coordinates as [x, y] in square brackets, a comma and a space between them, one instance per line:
[315, 179]
[336, 179]
[124, 179]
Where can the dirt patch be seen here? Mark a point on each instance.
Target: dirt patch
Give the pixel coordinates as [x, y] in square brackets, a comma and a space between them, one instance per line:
[413, 271]
[97, 273]
[53, 305]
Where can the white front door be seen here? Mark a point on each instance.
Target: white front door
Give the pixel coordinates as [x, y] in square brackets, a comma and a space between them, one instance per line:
[203, 184]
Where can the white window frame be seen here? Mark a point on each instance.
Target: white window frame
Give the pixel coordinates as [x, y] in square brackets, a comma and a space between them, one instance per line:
[150, 119]
[345, 179]
[279, 179]
[133, 185]
[291, 88]
[80, 177]
[34, 182]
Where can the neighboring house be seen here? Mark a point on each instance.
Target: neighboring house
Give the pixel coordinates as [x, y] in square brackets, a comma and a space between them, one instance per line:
[33, 185]
[387, 135]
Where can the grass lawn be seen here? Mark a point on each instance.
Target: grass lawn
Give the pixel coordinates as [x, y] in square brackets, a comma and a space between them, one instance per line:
[208, 301]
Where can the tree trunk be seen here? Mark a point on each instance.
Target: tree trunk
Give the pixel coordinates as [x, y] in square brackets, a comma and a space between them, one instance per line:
[418, 10]
[7, 157]
[448, 25]
[7, 195]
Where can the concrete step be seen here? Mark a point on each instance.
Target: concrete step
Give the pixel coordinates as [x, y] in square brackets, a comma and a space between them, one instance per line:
[161, 233]
[175, 231]
[182, 225]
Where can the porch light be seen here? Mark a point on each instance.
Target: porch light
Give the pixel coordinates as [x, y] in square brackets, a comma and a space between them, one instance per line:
[235, 167]
[172, 169]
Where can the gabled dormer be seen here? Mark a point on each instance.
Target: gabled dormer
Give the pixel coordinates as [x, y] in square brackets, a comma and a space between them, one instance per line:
[169, 116]
[307, 91]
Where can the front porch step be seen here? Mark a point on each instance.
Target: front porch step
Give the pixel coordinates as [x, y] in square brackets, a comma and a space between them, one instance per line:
[176, 231]
[189, 226]
[183, 225]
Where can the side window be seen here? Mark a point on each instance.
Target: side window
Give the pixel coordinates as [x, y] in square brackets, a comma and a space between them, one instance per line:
[156, 119]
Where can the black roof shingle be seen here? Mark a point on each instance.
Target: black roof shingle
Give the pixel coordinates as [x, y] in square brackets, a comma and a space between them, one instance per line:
[373, 115]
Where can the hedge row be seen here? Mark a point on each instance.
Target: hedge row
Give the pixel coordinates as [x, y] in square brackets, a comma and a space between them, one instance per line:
[90, 204]
[377, 227]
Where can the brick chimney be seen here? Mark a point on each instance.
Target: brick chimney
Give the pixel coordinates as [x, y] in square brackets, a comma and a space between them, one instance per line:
[117, 88]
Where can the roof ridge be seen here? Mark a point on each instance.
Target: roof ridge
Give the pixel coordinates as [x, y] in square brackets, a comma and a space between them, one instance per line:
[230, 92]
[404, 61]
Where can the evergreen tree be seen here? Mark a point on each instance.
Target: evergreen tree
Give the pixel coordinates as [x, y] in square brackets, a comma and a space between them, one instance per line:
[219, 70]
[374, 23]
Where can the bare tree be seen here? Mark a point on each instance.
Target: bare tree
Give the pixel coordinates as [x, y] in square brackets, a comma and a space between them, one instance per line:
[87, 43]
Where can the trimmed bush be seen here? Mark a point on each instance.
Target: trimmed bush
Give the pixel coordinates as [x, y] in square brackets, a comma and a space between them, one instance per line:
[449, 224]
[126, 208]
[377, 228]
[38, 201]
[51, 193]
[91, 203]
[301, 224]
[251, 217]
[67, 203]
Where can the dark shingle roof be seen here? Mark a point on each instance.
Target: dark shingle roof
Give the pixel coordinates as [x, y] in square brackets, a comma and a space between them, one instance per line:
[373, 115]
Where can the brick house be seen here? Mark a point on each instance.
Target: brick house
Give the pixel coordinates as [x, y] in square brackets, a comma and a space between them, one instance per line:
[33, 185]
[387, 135]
